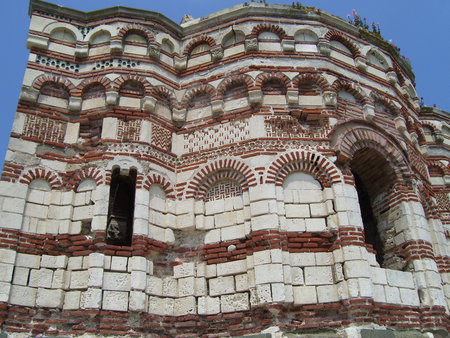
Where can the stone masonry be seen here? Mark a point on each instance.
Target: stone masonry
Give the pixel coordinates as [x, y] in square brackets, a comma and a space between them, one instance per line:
[267, 169]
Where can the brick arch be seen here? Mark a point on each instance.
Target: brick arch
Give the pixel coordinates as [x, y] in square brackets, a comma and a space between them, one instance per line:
[431, 125]
[161, 91]
[340, 37]
[42, 80]
[105, 82]
[445, 168]
[231, 81]
[238, 171]
[125, 78]
[352, 89]
[165, 184]
[267, 27]
[377, 97]
[306, 161]
[264, 77]
[45, 174]
[206, 88]
[198, 41]
[347, 139]
[93, 173]
[311, 77]
[124, 31]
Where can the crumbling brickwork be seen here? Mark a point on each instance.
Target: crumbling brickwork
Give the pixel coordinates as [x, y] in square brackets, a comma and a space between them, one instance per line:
[267, 169]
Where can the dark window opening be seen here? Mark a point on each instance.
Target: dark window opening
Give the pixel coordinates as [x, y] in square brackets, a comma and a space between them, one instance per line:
[121, 208]
[370, 223]
[132, 89]
[274, 87]
[237, 90]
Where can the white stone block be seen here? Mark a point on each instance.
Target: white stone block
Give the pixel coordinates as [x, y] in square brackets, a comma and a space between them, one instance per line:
[409, 297]
[315, 224]
[28, 261]
[170, 287]
[161, 306]
[241, 282]
[21, 295]
[304, 294]
[259, 208]
[327, 293]
[232, 268]
[79, 279]
[208, 305]
[72, 300]
[212, 236]
[232, 232]
[11, 220]
[261, 192]
[378, 275]
[184, 306]
[116, 281]
[200, 287]
[269, 273]
[54, 262]
[214, 207]
[261, 257]
[302, 259]
[365, 287]
[378, 294]
[184, 270]
[356, 269]
[263, 294]
[297, 211]
[6, 272]
[186, 286]
[211, 270]
[225, 219]
[234, 302]
[154, 286]
[119, 263]
[278, 292]
[5, 288]
[83, 213]
[74, 263]
[352, 253]
[318, 209]
[297, 276]
[400, 278]
[50, 298]
[137, 301]
[392, 294]
[7, 256]
[294, 224]
[318, 275]
[221, 285]
[45, 278]
[264, 222]
[20, 276]
[96, 260]
[115, 301]
[138, 280]
[324, 258]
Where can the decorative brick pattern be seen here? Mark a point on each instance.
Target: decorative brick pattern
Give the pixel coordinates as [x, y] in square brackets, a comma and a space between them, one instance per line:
[44, 128]
[129, 130]
[216, 136]
[161, 137]
[223, 190]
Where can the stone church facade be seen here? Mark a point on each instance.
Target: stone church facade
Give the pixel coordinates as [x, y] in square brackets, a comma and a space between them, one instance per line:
[265, 169]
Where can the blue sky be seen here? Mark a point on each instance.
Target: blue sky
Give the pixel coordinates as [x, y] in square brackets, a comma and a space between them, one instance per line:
[420, 28]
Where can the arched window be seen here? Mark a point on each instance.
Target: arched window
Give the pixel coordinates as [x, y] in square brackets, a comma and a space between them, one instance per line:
[305, 41]
[233, 38]
[132, 89]
[345, 96]
[200, 99]
[167, 46]
[375, 59]
[200, 49]
[54, 94]
[374, 180]
[337, 45]
[273, 87]
[63, 34]
[119, 229]
[99, 38]
[135, 42]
